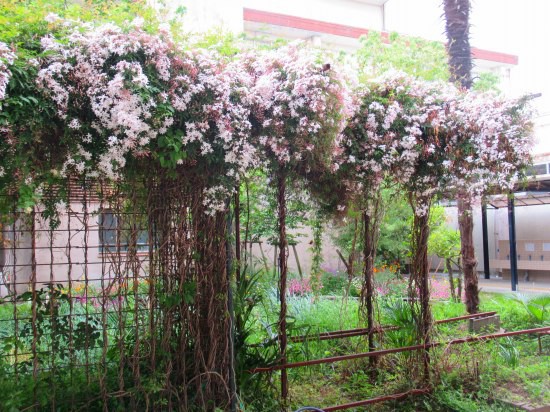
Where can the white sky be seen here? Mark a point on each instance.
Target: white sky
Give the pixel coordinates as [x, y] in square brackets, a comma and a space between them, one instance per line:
[520, 27]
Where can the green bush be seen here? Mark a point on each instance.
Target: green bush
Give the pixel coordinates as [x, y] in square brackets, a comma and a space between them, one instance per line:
[336, 284]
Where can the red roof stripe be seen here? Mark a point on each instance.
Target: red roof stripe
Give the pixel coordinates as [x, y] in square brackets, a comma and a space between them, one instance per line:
[284, 20]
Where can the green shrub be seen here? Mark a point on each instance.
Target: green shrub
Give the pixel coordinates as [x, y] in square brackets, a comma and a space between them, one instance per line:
[334, 283]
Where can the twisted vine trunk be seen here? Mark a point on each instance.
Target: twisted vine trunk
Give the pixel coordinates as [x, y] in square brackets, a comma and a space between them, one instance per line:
[449, 266]
[367, 292]
[372, 217]
[189, 296]
[283, 260]
[469, 262]
[212, 343]
[419, 288]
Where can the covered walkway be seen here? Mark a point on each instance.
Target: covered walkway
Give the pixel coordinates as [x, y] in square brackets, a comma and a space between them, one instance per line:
[537, 252]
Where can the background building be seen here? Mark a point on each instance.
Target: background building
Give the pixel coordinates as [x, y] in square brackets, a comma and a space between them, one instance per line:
[508, 39]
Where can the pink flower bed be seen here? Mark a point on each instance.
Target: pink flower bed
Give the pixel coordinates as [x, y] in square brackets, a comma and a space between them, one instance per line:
[440, 289]
[299, 287]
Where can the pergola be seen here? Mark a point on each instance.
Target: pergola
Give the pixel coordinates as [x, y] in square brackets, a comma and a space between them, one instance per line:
[535, 192]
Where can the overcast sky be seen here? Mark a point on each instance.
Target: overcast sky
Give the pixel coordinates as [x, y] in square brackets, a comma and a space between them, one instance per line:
[520, 27]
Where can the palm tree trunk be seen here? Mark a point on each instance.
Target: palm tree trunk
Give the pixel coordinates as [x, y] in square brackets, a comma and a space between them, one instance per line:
[457, 29]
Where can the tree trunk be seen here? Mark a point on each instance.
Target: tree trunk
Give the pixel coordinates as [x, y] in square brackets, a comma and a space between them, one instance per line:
[237, 236]
[351, 257]
[350, 262]
[283, 260]
[457, 29]
[449, 266]
[459, 281]
[469, 262]
[420, 286]
[368, 283]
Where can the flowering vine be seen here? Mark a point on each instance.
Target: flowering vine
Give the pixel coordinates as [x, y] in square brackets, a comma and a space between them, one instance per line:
[299, 107]
[400, 130]
[494, 142]
[129, 98]
[109, 103]
[7, 57]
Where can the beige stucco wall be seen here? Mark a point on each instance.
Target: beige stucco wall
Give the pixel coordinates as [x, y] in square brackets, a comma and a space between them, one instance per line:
[303, 250]
[69, 253]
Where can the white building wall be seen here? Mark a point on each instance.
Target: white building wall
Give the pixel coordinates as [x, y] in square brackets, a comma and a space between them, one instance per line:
[532, 223]
[205, 15]
[347, 12]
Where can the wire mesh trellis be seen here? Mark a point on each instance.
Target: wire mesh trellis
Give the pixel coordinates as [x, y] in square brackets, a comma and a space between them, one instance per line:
[119, 301]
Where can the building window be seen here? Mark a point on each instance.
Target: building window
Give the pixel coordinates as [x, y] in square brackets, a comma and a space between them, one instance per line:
[108, 232]
[538, 169]
[142, 240]
[114, 235]
[5, 264]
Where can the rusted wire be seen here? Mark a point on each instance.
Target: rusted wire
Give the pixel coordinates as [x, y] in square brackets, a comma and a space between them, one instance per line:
[379, 399]
[340, 334]
[384, 352]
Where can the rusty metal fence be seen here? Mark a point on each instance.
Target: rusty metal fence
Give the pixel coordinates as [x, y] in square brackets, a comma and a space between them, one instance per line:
[74, 293]
[118, 301]
[113, 300]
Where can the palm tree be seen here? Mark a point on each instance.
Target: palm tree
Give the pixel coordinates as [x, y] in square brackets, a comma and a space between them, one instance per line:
[457, 29]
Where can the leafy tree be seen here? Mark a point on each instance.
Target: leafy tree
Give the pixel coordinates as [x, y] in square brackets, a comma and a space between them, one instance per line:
[259, 203]
[415, 56]
[395, 229]
[486, 82]
[23, 23]
[444, 242]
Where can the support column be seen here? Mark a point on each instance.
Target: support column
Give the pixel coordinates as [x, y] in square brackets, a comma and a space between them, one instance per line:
[486, 267]
[512, 240]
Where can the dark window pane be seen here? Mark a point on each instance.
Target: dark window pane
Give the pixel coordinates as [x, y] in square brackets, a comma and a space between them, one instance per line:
[143, 241]
[540, 169]
[108, 223]
[115, 236]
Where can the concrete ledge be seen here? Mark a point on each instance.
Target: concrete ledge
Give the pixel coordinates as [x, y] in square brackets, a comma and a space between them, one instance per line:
[484, 324]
